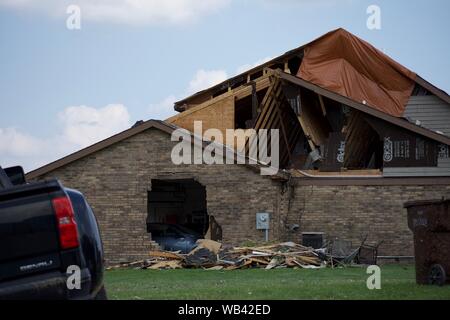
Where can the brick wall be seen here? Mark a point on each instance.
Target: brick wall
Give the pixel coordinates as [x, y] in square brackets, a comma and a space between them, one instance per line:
[351, 212]
[115, 181]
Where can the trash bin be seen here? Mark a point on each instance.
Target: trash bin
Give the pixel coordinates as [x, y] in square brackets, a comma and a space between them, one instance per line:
[430, 222]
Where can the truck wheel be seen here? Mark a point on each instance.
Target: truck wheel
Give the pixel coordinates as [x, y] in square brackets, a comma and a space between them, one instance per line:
[437, 275]
[101, 294]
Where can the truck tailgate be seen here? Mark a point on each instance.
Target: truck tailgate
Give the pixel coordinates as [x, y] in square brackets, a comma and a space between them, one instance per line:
[28, 231]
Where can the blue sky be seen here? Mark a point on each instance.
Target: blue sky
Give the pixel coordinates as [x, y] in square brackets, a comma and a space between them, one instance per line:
[64, 89]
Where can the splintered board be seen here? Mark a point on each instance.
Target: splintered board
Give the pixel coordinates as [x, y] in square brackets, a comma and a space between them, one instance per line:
[312, 120]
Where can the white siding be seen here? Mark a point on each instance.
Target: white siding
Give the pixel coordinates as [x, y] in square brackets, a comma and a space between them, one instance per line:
[442, 170]
[432, 112]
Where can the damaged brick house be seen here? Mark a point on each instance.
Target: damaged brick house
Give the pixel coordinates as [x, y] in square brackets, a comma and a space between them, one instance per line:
[359, 136]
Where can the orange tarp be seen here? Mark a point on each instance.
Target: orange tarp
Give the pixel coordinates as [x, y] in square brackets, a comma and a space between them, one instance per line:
[349, 66]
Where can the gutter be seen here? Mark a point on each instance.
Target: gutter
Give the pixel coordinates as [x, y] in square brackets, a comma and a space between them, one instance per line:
[337, 176]
[395, 257]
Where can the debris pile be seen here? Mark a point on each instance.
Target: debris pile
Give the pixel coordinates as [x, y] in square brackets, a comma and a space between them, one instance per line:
[211, 255]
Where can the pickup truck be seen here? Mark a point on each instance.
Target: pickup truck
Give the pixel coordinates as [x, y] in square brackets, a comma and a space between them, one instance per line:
[50, 245]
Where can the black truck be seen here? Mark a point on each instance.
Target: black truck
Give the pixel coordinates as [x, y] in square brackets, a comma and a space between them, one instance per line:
[50, 245]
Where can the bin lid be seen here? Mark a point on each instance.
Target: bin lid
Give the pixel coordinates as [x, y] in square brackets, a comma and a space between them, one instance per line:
[424, 202]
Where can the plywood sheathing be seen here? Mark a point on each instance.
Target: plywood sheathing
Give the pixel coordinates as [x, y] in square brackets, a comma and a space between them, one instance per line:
[219, 115]
[218, 112]
[237, 93]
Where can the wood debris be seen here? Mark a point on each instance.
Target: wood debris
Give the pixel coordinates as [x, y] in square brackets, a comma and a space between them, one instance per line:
[211, 255]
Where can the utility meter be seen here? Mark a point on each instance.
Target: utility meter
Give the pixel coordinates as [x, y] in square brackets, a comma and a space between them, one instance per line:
[262, 221]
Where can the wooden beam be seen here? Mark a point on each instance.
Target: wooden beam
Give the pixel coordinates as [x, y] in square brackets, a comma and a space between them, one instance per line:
[306, 130]
[322, 105]
[286, 67]
[288, 148]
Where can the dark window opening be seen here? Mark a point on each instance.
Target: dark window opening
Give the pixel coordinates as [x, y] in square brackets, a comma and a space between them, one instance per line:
[420, 91]
[294, 65]
[220, 90]
[256, 75]
[243, 110]
[177, 213]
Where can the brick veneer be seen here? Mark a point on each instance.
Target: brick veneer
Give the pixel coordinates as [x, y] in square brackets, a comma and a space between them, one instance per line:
[115, 181]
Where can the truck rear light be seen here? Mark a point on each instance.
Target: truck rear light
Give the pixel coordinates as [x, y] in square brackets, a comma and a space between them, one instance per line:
[68, 233]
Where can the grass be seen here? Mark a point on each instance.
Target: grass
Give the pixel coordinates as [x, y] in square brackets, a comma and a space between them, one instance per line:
[397, 282]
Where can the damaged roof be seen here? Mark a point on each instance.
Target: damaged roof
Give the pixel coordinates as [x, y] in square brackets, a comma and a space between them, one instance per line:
[344, 64]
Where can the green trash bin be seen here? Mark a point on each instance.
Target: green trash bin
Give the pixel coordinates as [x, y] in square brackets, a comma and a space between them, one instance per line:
[429, 220]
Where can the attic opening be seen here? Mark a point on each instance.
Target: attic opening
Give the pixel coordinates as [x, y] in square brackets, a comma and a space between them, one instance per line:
[244, 111]
[318, 133]
[177, 213]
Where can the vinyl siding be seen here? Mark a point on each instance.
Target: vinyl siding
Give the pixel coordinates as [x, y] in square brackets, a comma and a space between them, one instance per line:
[432, 112]
[443, 169]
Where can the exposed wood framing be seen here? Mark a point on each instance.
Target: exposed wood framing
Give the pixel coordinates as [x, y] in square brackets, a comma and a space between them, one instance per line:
[286, 67]
[361, 107]
[322, 105]
[307, 132]
[312, 121]
[238, 93]
[277, 114]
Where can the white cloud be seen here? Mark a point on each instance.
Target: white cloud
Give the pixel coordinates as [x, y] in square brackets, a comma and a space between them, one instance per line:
[204, 79]
[163, 109]
[135, 12]
[85, 125]
[247, 67]
[16, 143]
[80, 126]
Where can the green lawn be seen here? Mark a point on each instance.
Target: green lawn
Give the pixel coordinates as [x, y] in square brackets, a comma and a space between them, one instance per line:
[397, 282]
